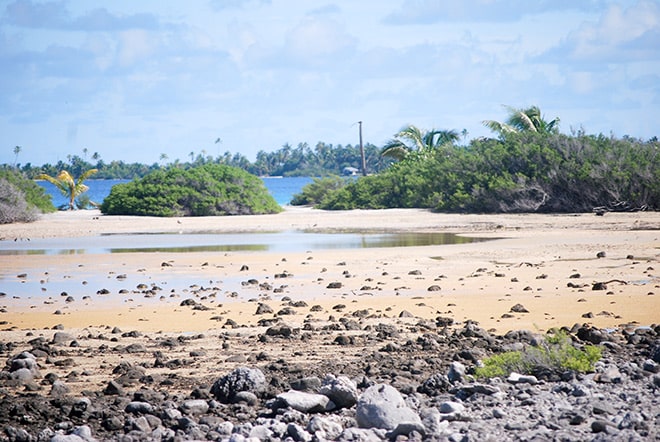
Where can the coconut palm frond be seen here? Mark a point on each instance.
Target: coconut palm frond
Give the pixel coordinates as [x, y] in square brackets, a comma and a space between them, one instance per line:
[496, 126]
[67, 185]
[395, 149]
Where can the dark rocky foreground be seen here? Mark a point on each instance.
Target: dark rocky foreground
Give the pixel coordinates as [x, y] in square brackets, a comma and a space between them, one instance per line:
[349, 380]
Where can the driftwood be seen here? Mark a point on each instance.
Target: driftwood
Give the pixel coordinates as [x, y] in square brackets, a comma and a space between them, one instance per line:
[603, 285]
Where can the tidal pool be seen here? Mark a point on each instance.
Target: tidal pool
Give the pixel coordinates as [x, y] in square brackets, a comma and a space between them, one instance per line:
[287, 241]
[86, 280]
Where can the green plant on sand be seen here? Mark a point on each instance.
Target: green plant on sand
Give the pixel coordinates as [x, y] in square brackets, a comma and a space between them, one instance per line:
[556, 352]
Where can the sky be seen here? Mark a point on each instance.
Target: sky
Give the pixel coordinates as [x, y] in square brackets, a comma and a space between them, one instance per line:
[133, 80]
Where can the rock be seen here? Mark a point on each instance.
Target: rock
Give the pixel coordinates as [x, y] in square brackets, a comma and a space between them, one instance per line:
[341, 390]
[451, 407]
[580, 390]
[61, 338]
[516, 378]
[590, 334]
[138, 407]
[382, 406]
[599, 426]
[245, 397]
[26, 361]
[611, 374]
[264, 309]
[309, 384]
[456, 372]
[363, 435]
[22, 376]
[602, 407]
[519, 308]
[304, 402]
[435, 385]
[59, 388]
[282, 330]
[298, 433]
[241, 379]
[485, 389]
[113, 388]
[325, 428]
[195, 406]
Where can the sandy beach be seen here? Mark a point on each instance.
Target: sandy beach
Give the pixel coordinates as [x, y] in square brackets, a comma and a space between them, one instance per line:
[189, 343]
[546, 264]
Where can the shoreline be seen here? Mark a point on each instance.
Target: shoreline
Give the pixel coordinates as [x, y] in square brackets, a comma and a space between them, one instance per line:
[546, 263]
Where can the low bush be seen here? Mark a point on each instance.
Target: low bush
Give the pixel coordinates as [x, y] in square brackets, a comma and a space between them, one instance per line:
[314, 192]
[21, 199]
[556, 353]
[207, 190]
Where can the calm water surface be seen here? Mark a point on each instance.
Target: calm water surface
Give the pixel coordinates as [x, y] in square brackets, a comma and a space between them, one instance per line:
[84, 281]
[288, 241]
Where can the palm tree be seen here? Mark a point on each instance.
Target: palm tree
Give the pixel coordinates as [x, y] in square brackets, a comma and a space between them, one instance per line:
[17, 150]
[69, 187]
[411, 138]
[523, 120]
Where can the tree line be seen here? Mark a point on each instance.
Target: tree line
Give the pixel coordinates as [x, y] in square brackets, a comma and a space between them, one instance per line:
[528, 167]
[321, 160]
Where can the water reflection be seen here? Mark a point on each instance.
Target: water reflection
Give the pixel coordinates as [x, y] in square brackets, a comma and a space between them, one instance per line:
[288, 241]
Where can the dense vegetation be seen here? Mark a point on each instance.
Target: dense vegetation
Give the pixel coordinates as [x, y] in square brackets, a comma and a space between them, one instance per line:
[206, 190]
[323, 159]
[21, 199]
[529, 167]
[519, 172]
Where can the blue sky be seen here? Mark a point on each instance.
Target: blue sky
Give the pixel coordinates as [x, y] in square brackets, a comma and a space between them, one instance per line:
[134, 79]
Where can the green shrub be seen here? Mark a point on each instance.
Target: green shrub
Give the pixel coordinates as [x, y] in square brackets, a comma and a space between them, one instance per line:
[208, 190]
[520, 173]
[556, 352]
[502, 365]
[315, 192]
[21, 199]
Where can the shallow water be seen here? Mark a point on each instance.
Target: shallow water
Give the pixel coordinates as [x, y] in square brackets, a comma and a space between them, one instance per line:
[289, 241]
[85, 281]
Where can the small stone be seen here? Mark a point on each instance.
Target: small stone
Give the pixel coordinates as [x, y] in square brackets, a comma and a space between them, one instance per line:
[304, 402]
[451, 407]
[599, 426]
[195, 406]
[516, 378]
[519, 308]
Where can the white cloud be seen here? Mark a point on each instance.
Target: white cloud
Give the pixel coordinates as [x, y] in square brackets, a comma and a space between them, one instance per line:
[435, 11]
[134, 45]
[140, 78]
[619, 36]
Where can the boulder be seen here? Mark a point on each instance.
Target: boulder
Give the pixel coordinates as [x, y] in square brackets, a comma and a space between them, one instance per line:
[341, 390]
[382, 406]
[241, 379]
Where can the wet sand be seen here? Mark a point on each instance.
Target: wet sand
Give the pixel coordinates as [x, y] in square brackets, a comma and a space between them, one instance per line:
[547, 264]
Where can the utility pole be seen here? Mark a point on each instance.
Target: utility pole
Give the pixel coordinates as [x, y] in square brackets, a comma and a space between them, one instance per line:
[364, 162]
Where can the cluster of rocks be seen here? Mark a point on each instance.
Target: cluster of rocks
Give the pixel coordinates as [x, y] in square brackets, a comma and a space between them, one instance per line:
[409, 388]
